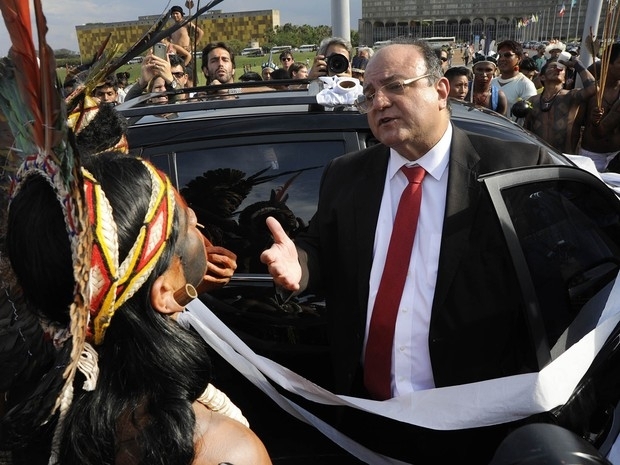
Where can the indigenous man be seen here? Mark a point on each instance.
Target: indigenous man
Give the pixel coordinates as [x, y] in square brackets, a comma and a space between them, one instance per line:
[185, 38]
[601, 135]
[557, 114]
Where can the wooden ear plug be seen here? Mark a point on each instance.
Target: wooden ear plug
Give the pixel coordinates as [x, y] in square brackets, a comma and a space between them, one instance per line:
[185, 295]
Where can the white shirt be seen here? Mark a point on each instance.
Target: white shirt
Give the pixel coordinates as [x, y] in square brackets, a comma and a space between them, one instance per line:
[120, 95]
[515, 88]
[411, 364]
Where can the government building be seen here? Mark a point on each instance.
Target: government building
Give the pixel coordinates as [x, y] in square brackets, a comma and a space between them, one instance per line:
[247, 26]
[521, 20]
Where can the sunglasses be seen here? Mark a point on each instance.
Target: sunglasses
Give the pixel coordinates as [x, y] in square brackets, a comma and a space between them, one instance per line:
[286, 59]
[507, 54]
[178, 74]
[443, 59]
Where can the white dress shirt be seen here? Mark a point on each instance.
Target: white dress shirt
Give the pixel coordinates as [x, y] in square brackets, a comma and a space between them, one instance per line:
[411, 364]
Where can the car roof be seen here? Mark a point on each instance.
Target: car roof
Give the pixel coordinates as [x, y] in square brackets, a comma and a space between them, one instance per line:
[247, 99]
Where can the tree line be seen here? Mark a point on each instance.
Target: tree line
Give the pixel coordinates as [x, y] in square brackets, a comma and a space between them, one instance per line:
[288, 34]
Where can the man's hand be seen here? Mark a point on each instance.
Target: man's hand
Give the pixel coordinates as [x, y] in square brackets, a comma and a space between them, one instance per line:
[319, 67]
[161, 67]
[221, 265]
[596, 115]
[281, 258]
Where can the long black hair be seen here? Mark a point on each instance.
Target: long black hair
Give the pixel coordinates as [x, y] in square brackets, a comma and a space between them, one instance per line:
[151, 370]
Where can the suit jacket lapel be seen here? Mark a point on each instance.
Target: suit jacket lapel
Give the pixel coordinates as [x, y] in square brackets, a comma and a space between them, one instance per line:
[462, 199]
[366, 215]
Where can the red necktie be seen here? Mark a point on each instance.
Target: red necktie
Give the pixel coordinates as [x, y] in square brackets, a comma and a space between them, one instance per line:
[378, 357]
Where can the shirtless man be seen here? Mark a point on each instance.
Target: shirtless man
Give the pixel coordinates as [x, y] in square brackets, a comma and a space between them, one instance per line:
[185, 38]
[601, 135]
[557, 114]
[182, 36]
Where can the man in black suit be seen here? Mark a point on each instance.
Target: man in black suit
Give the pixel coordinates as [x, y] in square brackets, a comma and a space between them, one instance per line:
[461, 315]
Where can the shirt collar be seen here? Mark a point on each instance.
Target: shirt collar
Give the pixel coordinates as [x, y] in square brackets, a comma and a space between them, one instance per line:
[434, 162]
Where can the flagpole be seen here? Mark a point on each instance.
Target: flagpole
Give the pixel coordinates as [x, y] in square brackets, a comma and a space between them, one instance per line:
[593, 15]
[570, 16]
[578, 18]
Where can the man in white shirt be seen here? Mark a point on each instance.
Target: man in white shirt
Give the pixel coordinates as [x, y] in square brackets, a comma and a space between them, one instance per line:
[460, 316]
[515, 85]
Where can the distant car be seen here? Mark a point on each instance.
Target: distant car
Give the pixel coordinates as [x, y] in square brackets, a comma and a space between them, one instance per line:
[281, 48]
[135, 60]
[252, 52]
[240, 157]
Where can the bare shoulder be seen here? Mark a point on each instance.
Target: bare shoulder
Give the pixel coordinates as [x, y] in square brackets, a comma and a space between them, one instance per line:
[221, 439]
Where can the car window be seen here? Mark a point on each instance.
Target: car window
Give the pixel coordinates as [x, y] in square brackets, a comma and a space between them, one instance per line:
[569, 232]
[235, 187]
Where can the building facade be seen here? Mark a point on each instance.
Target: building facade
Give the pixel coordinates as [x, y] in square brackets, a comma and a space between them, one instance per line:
[520, 20]
[247, 26]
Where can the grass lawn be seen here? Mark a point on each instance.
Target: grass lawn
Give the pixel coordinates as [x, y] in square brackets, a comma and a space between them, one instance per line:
[251, 63]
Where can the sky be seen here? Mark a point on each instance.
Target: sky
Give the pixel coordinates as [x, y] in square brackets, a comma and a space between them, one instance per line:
[63, 15]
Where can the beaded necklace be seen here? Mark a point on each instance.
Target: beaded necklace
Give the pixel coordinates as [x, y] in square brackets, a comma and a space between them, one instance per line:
[482, 98]
[545, 105]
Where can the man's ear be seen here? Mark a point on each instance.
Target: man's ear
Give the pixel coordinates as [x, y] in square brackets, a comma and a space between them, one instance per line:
[162, 296]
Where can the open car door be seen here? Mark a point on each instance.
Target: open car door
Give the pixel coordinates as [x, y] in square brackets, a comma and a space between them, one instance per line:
[562, 226]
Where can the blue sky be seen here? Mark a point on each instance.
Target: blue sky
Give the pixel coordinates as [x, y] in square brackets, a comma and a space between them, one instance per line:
[64, 15]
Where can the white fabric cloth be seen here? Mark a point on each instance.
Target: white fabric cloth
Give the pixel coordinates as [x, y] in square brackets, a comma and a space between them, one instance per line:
[601, 160]
[338, 90]
[411, 363]
[472, 405]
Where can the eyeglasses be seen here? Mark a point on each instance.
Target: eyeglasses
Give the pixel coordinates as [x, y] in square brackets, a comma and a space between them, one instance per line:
[364, 102]
[507, 54]
[286, 59]
[178, 74]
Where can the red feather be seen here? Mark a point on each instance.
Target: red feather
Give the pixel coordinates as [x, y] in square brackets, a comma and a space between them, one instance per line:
[16, 15]
[50, 97]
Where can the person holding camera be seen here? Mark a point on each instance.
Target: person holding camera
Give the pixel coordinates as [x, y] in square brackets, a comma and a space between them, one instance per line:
[332, 59]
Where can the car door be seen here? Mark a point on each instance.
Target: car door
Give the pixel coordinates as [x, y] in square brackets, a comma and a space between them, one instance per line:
[562, 226]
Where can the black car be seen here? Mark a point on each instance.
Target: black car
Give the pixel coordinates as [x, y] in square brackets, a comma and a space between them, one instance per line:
[238, 157]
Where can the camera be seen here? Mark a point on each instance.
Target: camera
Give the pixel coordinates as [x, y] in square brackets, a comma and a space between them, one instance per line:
[337, 63]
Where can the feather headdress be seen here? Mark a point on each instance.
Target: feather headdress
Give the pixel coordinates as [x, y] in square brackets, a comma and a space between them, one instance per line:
[32, 105]
[31, 101]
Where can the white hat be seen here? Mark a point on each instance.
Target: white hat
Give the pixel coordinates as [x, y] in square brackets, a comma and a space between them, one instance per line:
[554, 46]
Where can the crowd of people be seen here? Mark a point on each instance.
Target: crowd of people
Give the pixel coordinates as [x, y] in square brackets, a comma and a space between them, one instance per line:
[552, 94]
[406, 313]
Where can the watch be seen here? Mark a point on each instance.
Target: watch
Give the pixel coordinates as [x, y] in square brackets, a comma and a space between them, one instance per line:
[173, 84]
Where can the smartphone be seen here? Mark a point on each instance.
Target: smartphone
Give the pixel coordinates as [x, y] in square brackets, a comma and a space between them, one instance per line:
[160, 50]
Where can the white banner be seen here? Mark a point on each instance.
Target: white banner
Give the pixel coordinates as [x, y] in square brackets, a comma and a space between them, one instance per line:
[472, 405]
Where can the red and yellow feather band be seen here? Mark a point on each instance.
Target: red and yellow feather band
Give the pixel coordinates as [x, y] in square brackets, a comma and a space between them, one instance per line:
[113, 283]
